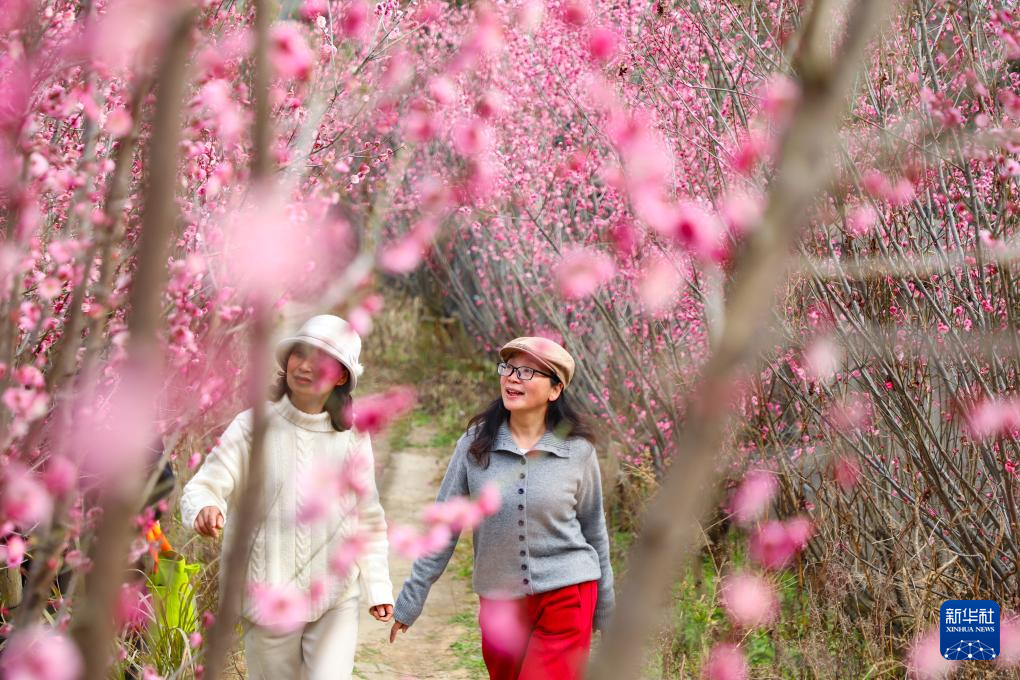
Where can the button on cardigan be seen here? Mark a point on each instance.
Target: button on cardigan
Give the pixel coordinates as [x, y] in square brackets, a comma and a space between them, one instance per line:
[549, 532]
[285, 552]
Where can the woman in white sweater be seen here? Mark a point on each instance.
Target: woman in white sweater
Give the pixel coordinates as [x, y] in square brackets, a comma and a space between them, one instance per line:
[329, 556]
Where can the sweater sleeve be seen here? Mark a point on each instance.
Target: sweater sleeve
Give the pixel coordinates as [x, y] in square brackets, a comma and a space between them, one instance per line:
[221, 473]
[427, 569]
[374, 563]
[592, 518]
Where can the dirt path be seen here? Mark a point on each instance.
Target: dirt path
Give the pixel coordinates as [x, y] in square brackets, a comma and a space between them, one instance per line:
[408, 482]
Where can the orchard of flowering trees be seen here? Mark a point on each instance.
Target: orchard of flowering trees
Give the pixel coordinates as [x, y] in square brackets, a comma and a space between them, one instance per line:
[777, 235]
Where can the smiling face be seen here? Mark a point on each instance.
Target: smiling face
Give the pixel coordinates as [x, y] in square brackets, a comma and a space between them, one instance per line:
[527, 395]
[313, 374]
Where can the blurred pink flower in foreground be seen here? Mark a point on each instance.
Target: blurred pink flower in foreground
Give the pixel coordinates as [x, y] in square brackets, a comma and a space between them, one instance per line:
[603, 43]
[659, 284]
[501, 619]
[346, 555]
[822, 359]
[281, 608]
[775, 543]
[725, 662]
[443, 521]
[289, 52]
[13, 552]
[992, 417]
[406, 254]
[40, 653]
[583, 271]
[749, 600]
[374, 413]
[925, 660]
[134, 610]
[1009, 642]
[24, 501]
[847, 472]
[752, 497]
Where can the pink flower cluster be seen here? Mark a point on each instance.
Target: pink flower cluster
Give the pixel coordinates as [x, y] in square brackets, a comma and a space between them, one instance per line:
[443, 521]
[374, 413]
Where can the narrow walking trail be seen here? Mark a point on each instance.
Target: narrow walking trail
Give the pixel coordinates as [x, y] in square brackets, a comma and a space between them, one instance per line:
[408, 481]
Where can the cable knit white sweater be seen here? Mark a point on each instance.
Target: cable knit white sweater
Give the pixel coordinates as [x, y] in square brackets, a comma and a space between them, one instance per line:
[285, 551]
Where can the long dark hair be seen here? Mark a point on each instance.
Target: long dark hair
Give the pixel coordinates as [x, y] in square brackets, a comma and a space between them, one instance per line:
[338, 405]
[561, 417]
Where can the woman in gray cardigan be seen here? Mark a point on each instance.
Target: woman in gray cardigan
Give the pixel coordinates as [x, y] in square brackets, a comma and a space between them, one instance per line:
[541, 563]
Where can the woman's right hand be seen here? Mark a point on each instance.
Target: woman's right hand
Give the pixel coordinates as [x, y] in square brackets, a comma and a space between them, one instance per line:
[398, 627]
[209, 521]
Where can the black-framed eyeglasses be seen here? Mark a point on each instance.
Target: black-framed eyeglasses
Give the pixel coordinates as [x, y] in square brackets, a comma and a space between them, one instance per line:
[524, 373]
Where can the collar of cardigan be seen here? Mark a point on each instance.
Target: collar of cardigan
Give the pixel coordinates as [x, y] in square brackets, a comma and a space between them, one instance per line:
[550, 442]
[316, 422]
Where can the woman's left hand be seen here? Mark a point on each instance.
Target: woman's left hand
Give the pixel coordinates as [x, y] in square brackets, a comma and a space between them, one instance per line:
[381, 612]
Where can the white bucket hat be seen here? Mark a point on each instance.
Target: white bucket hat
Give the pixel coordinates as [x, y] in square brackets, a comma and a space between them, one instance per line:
[332, 335]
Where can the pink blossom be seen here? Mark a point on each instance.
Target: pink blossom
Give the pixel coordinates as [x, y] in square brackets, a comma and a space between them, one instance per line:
[374, 413]
[13, 552]
[406, 541]
[470, 137]
[406, 254]
[76, 559]
[281, 608]
[442, 90]
[582, 271]
[750, 149]
[725, 662]
[289, 52]
[134, 607]
[354, 19]
[355, 473]
[346, 555]
[1009, 642]
[575, 12]
[194, 460]
[420, 125]
[195, 639]
[119, 123]
[750, 601]
[698, 232]
[822, 359]
[659, 283]
[992, 417]
[24, 501]
[741, 211]
[925, 660]
[776, 543]
[861, 220]
[311, 9]
[503, 618]
[778, 97]
[490, 105]
[846, 472]
[25, 406]
[626, 239]
[752, 497]
[602, 44]
[530, 15]
[490, 499]
[30, 316]
[436, 538]
[40, 653]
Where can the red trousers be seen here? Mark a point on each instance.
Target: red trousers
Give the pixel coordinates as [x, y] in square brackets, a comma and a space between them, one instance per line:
[539, 637]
